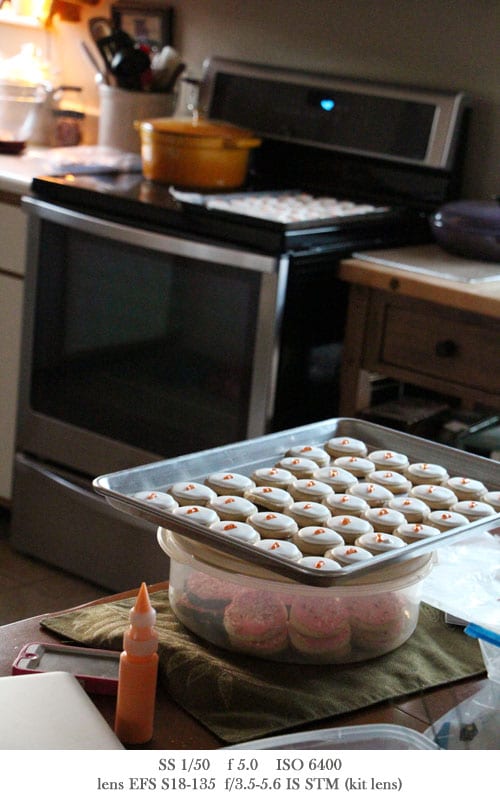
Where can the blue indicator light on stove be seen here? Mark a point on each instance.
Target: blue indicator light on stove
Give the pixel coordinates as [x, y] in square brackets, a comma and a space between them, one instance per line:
[327, 104]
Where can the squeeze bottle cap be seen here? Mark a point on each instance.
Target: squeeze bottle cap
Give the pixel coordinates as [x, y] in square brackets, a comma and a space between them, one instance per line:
[141, 639]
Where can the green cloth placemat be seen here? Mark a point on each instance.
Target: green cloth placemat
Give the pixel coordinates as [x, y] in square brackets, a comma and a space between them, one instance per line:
[240, 698]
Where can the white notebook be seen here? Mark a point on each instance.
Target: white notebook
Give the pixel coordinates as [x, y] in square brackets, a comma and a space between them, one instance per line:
[51, 711]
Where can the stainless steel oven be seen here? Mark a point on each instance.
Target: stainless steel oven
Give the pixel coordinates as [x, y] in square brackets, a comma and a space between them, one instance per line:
[158, 323]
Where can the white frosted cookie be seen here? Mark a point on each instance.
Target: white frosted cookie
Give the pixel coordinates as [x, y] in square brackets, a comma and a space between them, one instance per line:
[416, 532]
[271, 497]
[273, 525]
[378, 542]
[323, 564]
[306, 512]
[389, 459]
[356, 465]
[273, 476]
[336, 477]
[188, 493]
[281, 548]
[372, 493]
[473, 509]
[200, 514]
[239, 531]
[466, 488]
[310, 489]
[299, 467]
[316, 539]
[412, 508]
[446, 520]
[161, 500]
[234, 507]
[434, 496]
[347, 554]
[345, 504]
[423, 472]
[384, 520]
[492, 498]
[312, 452]
[349, 527]
[229, 483]
[339, 446]
[392, 480]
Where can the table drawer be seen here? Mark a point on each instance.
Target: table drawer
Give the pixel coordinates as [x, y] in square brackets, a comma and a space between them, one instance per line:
[453, 346]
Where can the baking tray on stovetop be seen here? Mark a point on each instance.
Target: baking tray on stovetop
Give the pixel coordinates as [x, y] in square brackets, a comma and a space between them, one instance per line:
[120, 487]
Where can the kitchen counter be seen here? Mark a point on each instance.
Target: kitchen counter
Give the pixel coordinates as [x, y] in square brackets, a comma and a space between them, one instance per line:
[17, 172]
[419, 328]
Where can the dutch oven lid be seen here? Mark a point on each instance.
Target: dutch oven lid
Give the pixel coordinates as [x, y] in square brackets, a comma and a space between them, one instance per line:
[470, 215]
[191, 127]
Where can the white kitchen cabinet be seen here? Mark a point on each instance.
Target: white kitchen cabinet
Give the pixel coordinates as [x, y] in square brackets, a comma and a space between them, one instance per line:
[12, 254]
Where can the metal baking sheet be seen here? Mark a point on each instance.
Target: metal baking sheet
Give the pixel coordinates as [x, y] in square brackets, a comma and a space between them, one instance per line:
[244, 457]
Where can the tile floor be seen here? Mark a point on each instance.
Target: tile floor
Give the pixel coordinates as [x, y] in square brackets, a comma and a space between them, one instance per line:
[29, 587]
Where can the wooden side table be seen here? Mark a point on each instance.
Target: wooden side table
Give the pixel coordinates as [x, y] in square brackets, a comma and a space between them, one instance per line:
[434, 333]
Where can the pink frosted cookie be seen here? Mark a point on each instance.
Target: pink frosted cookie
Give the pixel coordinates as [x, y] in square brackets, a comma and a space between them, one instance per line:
[466, 488]
[160, 500]
[473, 509]
[300, 467]
[270, 497]
[336, 477]
[373, 494]
[446, 520]
[389, 460]
[239, 531]
[312, 452]
[256, 623]
[273, 476]
[377, 543]
[422, 472]
[434, 496]
[392, 480]
[340, 446]
[345, 504]
[310, 489]
[315, 539]
[349, 527]
[191, 493]
[207, 591]
[384, 520]
[378, 623]
[319, 628]
[413, 510]
[305, 513]
[273, 524]
[357, 465]
[229, 483]
[232, 507]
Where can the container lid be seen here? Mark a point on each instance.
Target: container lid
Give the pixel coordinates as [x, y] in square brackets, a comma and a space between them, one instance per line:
[352, 737]
[197, 128]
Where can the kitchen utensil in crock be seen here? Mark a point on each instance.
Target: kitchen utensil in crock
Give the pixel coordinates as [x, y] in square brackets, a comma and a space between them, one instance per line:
[192, 153]
[469, 228]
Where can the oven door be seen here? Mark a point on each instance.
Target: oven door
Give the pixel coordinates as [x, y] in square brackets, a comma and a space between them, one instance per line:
[140, 345]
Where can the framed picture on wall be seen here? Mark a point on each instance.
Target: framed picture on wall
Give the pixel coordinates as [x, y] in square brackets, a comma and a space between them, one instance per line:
[146, 24]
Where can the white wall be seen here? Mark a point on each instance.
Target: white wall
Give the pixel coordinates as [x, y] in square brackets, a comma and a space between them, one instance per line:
[431, 43]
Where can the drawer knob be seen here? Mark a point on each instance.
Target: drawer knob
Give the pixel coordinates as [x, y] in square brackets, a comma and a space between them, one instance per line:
[446, 349]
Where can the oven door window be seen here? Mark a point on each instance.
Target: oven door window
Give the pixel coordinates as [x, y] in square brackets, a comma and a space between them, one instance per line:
[150, 349]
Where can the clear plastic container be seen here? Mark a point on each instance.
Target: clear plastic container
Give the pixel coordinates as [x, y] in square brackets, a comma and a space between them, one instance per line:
[355, 737]
[245, 609]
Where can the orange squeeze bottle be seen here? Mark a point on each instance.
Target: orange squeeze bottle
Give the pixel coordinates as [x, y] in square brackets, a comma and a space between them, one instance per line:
[137, 675]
